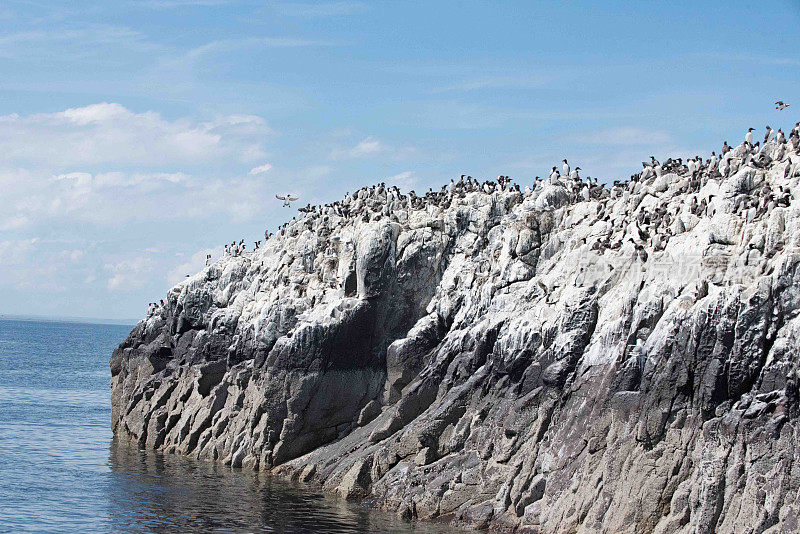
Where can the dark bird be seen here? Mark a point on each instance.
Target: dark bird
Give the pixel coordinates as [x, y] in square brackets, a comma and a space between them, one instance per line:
[780, 105]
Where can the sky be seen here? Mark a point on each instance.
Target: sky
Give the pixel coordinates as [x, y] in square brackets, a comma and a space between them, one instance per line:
[138, 136]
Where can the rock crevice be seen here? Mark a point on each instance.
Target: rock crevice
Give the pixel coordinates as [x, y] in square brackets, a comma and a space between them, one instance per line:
[571, 357]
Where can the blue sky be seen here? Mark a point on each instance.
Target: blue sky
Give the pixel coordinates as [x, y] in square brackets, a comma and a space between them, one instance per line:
[137, 136]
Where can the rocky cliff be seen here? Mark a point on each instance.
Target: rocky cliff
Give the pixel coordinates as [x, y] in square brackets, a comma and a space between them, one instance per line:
[568, 358]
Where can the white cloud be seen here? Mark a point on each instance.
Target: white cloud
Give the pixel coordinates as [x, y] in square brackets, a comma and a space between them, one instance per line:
[755, 59]
[367, 147]
[114, 198]
[27, 263]
[624, 136]
[172, 4]
[324, 9]
[130, 273]
[261, 169]
[13, 222]
[15, 253]
[111, 133]
[404, 180]
[194, 264]
[371, 147]
[72, 255]
[497, 82]
[48, 165]
[92, 40]
[191, 58]
[457, 115]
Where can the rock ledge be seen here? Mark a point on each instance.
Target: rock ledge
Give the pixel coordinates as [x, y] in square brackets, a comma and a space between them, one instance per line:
[572, 358]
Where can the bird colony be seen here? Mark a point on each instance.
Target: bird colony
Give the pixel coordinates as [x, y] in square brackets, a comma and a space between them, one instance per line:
[562, 357]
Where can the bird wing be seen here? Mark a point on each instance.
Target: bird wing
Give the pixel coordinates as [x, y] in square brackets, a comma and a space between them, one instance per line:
[280, 197]
[292, 199]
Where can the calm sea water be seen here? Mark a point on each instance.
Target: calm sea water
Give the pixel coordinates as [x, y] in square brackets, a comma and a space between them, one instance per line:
[60, 470]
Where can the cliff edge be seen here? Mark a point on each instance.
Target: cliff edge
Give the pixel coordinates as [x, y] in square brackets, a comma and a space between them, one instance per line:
[569, 358]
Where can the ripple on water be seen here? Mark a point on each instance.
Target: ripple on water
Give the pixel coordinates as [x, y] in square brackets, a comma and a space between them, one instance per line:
[61, 471]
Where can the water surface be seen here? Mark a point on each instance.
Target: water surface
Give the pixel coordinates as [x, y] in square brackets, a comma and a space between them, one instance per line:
[61, 471]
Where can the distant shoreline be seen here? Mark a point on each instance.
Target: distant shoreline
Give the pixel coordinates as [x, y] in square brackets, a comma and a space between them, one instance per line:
[78, 320]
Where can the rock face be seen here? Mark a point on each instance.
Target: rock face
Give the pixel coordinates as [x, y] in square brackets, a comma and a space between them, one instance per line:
[572, 358]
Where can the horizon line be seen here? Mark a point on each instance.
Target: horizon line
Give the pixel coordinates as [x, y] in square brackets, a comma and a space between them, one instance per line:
[67, 319]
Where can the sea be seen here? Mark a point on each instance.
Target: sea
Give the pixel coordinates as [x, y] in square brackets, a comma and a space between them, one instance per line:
[62, 471]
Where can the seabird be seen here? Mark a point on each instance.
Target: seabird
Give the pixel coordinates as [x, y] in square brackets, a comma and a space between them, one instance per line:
[565, 167]
[641, 252]
[780, 105]
[748, 137]
[643, 236]
[287, 200]
[646, 171]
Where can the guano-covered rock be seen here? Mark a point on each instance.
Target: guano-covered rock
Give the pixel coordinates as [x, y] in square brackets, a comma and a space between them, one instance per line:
[575, 358]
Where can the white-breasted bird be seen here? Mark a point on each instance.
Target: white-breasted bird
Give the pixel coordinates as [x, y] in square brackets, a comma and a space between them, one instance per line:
[712, 163]
[287, 200]
[647, 171]
[748, 137]
[565, 167]
[780, 105]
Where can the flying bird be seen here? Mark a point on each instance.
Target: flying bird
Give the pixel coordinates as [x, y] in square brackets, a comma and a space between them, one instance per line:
[287, 200]
[781, 105]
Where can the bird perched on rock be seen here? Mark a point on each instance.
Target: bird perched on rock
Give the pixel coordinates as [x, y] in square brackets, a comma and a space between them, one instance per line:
[641, 252]
[748, 137]
[780, 105]
[647, 171]
[287, 200]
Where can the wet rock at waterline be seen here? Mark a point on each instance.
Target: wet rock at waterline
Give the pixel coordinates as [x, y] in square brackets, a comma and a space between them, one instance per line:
[572, 358]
